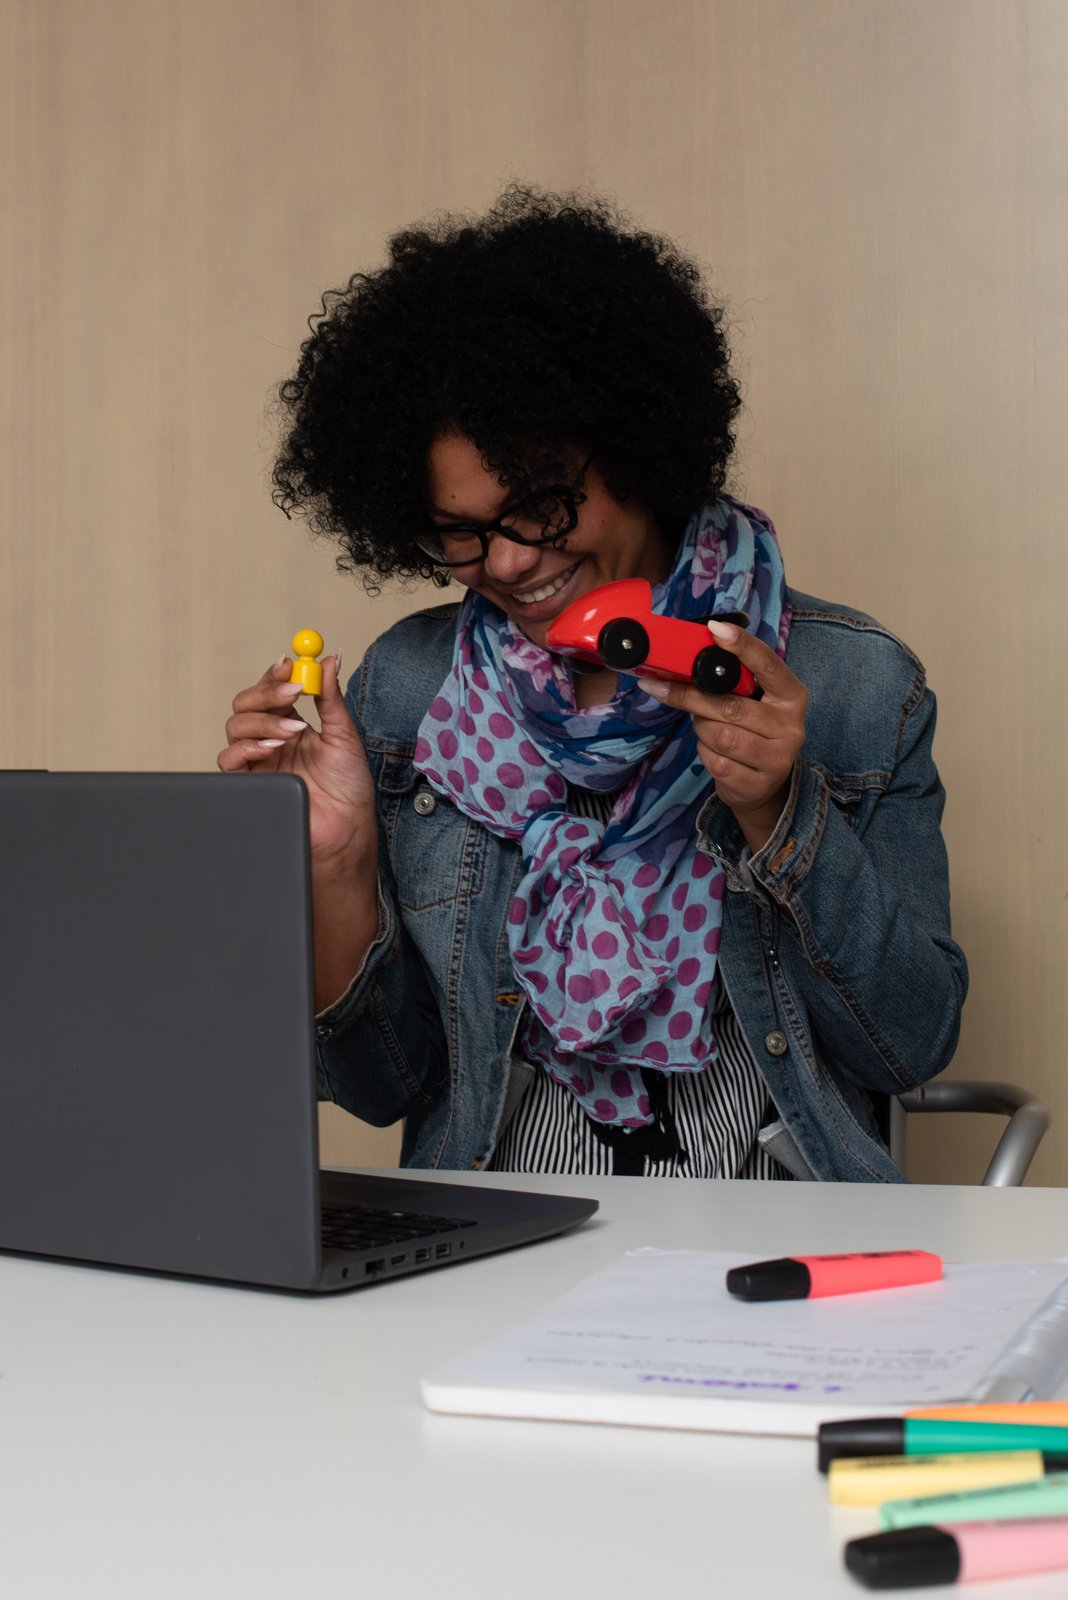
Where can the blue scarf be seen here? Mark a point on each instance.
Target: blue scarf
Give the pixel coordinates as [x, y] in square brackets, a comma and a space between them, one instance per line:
[615, 927]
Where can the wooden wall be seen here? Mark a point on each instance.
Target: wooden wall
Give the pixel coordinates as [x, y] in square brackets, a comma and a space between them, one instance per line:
[877, 187]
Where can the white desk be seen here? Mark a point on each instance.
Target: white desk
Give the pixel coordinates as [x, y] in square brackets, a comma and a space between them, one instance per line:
[167, 1440]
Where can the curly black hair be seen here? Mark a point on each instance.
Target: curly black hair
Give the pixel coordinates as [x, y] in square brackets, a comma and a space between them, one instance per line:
[546, 323]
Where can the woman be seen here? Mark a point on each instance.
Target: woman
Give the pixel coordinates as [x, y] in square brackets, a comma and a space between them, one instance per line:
[563, 920]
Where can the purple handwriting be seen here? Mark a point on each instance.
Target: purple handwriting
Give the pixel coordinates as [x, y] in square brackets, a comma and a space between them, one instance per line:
[787, 1385]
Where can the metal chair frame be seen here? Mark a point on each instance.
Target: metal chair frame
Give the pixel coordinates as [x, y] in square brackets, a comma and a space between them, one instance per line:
[1029, 1117]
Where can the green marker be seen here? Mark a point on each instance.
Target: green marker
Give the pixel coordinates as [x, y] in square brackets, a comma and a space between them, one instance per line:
[931, 1436]
[1044, 1497]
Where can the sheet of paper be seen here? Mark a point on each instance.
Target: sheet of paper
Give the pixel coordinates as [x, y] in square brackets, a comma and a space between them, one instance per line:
[659, 1326]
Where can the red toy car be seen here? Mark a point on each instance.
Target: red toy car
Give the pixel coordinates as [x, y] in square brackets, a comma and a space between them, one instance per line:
[617, 627]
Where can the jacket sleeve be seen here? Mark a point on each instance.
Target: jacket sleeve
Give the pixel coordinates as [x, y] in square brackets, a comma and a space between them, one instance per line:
[381, 1046]
[858, 873]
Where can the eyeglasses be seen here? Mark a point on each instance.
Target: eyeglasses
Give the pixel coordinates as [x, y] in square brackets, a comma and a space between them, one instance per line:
[541, 516]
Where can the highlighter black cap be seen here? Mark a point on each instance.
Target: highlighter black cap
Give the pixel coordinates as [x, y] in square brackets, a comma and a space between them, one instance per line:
[860, 1436]
[904, 1558]
[770, 1280]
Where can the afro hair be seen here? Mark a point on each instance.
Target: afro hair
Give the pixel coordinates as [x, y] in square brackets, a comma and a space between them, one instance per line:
[546, 324]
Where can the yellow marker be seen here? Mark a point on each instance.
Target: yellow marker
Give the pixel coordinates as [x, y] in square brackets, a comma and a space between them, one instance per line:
[307, 644]
[869, 1480]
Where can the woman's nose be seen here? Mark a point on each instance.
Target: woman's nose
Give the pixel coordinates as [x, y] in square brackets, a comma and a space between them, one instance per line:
[507, 562]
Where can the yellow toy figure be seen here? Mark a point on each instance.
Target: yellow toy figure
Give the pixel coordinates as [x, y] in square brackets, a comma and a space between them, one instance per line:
[307, 644]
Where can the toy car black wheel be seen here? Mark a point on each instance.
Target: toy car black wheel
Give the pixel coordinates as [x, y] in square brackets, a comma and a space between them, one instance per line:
[623, 644]
[716, 671]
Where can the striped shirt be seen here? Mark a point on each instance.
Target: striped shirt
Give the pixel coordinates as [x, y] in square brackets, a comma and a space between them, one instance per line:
[708, 1120]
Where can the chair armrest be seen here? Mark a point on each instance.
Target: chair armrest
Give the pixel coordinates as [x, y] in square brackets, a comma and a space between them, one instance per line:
[1028, 1117]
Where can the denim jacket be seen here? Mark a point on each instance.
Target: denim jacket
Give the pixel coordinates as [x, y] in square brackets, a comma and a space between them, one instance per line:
[836, 950]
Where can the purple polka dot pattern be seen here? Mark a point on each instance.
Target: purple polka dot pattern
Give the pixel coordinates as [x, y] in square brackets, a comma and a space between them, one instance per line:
[614, 930]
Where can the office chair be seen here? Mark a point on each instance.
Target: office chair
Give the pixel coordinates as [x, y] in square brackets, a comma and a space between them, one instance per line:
[1028, 1117]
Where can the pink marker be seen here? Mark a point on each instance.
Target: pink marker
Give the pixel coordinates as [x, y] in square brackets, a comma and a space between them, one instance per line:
[805, 1277]
[960, 1552]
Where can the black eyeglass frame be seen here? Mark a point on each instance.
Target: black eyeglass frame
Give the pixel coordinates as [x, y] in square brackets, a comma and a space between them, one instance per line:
[568, 495]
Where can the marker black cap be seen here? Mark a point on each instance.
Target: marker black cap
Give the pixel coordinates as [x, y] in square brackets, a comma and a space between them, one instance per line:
[860, 1436]
[770, 1280]
[897, 1436]
[904, 1558]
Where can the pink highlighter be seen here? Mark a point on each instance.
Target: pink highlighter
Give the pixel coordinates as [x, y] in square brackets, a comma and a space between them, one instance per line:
[806, 1277]
[958, 1552]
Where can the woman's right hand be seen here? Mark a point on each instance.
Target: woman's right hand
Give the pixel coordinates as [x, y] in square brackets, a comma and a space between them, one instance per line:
[267, 734]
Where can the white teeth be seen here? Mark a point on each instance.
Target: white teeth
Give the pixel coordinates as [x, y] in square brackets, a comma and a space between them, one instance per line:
[549, 590]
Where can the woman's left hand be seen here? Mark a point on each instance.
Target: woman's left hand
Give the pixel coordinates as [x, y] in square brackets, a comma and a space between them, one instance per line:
[748, 746]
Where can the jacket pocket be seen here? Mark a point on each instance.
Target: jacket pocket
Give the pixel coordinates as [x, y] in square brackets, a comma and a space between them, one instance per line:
[848, 791]
[437, 854]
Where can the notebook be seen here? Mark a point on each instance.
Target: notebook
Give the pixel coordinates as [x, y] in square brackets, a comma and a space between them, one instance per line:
[655, 1340]
[158, 1105]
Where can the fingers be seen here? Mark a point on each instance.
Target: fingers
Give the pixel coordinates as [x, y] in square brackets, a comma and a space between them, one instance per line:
[770, 670]
[264, 721]
[271, 692]
[244, 754]
[737, 715]
[749, 746]
[783, 700]
[330, 702]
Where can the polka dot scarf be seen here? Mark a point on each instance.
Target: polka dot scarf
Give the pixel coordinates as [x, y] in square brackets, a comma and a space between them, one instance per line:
[615, 926]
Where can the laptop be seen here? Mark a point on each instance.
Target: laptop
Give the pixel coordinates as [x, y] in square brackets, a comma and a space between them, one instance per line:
[158, 1103]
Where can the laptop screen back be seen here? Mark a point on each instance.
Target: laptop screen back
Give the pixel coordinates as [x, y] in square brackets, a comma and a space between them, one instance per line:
[157, 1101]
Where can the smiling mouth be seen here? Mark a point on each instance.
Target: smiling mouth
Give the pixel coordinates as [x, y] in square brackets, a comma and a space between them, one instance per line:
[546, 592]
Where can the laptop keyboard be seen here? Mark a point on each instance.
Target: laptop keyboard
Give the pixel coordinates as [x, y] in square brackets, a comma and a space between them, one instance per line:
[367, 1227]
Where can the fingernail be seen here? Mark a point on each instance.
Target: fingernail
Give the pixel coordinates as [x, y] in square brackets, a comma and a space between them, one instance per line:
[279, 663]
[337, 658]
[653, 686]
[269, 744]
[722, 630]
[293, 690]
[292, 724]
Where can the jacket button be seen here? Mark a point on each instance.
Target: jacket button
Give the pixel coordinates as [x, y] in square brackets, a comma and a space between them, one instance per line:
[776, 1043]
[425, 802]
